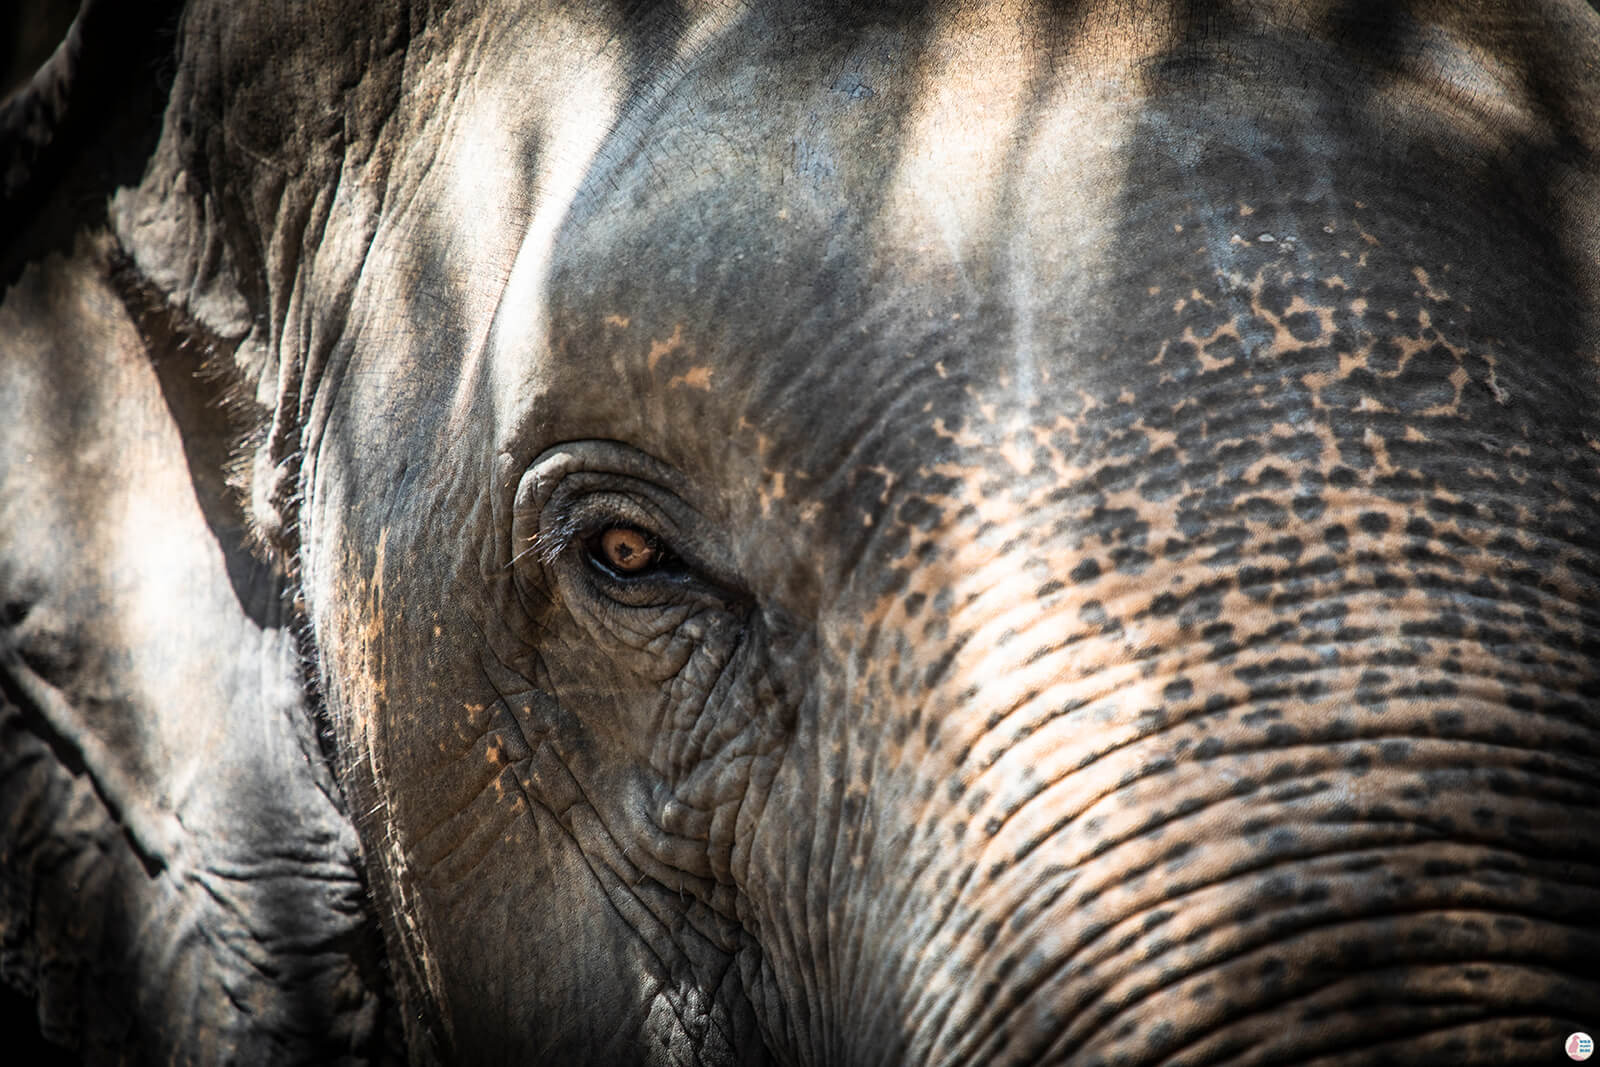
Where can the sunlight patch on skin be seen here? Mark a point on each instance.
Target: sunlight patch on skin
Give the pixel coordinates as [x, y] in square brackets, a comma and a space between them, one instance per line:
[1477, 95]
[582, 108]
[981, 136]
[968, 109]
[575, 135]
[482, 204]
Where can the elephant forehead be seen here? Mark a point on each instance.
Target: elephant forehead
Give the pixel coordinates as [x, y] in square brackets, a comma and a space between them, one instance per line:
[964, 195]
[783, 225]
[1304, 317]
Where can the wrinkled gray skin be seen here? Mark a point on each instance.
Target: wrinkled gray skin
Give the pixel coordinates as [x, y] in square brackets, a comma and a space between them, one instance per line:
[1128, 482]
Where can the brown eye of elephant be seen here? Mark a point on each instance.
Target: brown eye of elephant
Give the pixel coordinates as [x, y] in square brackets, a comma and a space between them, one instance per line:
[628, 551]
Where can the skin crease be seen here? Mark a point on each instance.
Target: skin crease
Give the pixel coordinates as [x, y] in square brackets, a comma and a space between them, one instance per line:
[1117, 482]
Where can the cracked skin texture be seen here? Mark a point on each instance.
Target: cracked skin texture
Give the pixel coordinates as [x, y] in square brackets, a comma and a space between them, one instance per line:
[1188, 658]
[1214, 649]
[1277, 620]
[1136, 472]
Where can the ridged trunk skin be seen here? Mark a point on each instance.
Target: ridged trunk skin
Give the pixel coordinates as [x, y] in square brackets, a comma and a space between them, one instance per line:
[1227, 690]
[1230, 751]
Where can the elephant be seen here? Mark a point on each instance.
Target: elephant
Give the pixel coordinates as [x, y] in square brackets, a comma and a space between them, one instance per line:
[813, 533]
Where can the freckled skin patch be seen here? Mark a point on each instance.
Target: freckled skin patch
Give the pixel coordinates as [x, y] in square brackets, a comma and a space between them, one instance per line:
[1295, 569]
[694, 378]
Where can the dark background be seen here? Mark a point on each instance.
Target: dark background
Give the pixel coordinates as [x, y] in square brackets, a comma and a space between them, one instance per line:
[29, 31]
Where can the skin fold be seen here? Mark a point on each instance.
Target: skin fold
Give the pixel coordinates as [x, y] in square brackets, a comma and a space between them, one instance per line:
[804, 533]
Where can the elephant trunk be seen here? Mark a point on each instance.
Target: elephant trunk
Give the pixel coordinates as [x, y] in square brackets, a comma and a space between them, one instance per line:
[1320, 803]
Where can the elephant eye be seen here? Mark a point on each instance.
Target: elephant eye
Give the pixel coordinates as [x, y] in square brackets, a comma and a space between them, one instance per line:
[626, 551]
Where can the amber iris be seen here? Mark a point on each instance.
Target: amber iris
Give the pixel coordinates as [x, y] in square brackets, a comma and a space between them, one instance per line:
[627, 551]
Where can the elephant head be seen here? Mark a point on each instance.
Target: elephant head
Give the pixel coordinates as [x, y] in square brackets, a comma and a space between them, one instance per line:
[910, 533]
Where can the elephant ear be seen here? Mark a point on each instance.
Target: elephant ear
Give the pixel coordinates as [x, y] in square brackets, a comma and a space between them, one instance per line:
[179, 881]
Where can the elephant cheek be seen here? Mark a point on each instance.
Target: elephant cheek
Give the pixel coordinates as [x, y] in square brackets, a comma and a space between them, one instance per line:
[349, 626]
[512, 910]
